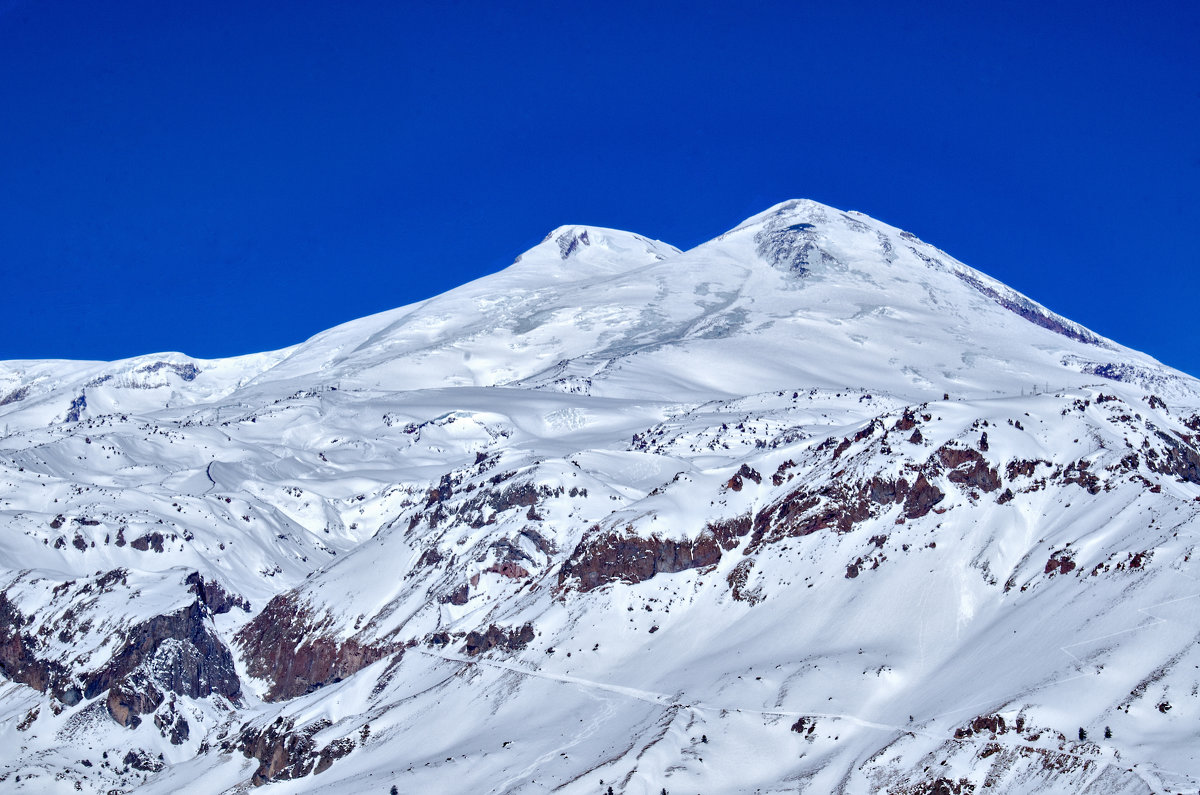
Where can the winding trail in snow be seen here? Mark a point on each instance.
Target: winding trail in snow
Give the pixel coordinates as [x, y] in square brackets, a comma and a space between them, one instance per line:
[665, 700]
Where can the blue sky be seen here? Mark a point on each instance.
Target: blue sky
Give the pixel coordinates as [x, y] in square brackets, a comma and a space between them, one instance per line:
[226, 177]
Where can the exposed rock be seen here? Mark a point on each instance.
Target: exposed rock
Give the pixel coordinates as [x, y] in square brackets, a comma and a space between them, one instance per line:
[286, 647]
[149, 541]
[20, 393]
[1181, 460]
[907, 422]
[283, 754]
[938, 786]
[966, 467]
[139, 759]
[171, 724]
[1020, 305]
[213, 596]
[1079, 474]
[508, 569]
[921, 498]
[496, 637]
[174, 653]
[601, 558]
[737, 579]
[1020, 467]
[983, 723]
[333, 752]
[840, 505]
[459, 595]
[1060, 563]
[130, 698]
[20, 663]
[805, 725]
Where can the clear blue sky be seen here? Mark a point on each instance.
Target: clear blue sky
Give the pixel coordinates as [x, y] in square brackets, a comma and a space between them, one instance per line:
[226, 177]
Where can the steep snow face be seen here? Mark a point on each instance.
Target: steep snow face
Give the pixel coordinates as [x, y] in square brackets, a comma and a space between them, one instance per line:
[810, 506]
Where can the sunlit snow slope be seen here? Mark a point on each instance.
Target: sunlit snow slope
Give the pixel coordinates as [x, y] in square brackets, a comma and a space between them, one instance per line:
[810, 507]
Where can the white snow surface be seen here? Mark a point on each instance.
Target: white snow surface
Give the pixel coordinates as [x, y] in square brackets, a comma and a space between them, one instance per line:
[402, 480]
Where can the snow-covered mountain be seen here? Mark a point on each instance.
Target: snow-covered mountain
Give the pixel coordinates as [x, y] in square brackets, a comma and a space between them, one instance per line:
[810, 507]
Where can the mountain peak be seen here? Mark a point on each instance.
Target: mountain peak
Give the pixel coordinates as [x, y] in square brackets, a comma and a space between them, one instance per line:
[575, 249]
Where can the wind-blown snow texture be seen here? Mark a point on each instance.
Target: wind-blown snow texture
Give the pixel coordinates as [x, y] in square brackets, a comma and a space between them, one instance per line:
[811, 507]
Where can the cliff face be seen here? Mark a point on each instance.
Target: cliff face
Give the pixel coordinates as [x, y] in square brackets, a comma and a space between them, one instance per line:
[284, 646]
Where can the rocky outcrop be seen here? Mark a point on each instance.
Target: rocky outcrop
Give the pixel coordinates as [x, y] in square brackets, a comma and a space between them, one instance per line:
[495, 637]
[150, 541]
[738, 579]
[285, 646]
[175, 653]
[20, 663]
[131, 698]
[184, 655]
[1022, 306]
[981, 724]
[614, 556]
[967, 467]
[285, 753]
[1181, 459]
[1060, 563]
[840, 506]
[213, 596]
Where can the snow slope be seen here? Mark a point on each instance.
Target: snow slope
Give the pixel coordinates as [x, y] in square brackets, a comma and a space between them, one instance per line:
[810, 507]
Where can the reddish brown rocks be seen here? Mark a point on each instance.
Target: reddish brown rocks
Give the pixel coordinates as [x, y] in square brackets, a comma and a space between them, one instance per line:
[286, 647]
[508, 569]
[1080, 474]
[604, 557]
[1060, 563]
[1020, 467]
[921, 498]
[458, 596]
[984, 723]
[966, 467]
[19, 660]
[737, 579]
[129, 699]
[741, 476]
[285, 753]
[840, 506]
[907, 422]
[805, 725]
[213, 596]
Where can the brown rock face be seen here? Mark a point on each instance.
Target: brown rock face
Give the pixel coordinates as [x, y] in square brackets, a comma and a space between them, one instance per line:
[282, 753]
[1060, 563]
[213, 596]
[496, 637]
[968, 467]
[130, 698]
[147, 542]
[1182, 459]
[19, 662]
[284, 646]
[601, 558]
[840, 506]
[173, 653]
[983, 723]
[509, 569]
